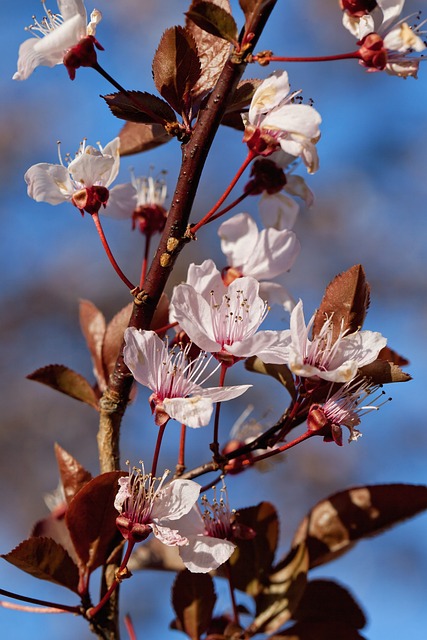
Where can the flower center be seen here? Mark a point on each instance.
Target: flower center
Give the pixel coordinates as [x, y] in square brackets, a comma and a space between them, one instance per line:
[231, 317]
[217, 517]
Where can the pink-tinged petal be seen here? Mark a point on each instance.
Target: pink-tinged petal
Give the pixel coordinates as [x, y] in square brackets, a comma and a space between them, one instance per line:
[239, 237]
[69, 8]
[143, 355]
[221, 394]
[296, 186]
[362, 347]
[269, 95]
[175, 500]
[194, 412]
[255, 306]
[204, 554]
[274, 254]
[299, 331]
[91, 167]
[274, 293]
[123, 493]
[121, 202]
[278, 211]
[295, 118]
[270, 346]
[49, 183]
[193, 314]
[169, 537]
[205, 278]
[50, 49]
[191, 524]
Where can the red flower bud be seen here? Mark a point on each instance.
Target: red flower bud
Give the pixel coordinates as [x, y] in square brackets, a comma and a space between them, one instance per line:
[83, 54]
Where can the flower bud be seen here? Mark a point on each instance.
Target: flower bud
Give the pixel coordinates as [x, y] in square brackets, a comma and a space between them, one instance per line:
[372, 51]
[83, 54]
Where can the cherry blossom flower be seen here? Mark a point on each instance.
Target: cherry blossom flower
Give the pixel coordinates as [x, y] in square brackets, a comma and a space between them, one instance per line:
[387, 45]
[142, 200]
[146, 505]
[175, 382]
[336, 361]
[275, 121]
[261, 254]
[84, 181]
[344, 408]
[54, 35]
[224, 320]
[209, 531]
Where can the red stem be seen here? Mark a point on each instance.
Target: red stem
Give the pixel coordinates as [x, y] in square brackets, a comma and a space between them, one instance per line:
[90, 613]
[157, 449]
[251, 155]
[338, 56]
[181, 454]
[111, 258]
[51, 605]
[285, 447]
[166, 327]
[230, 206]
[145, 261]
[232, 596]
[129, 627]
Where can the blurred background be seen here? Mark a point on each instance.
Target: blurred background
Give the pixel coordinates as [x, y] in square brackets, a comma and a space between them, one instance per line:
[370, 208]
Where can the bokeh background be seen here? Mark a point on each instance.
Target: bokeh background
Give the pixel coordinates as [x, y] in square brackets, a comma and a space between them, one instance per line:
[370, 208]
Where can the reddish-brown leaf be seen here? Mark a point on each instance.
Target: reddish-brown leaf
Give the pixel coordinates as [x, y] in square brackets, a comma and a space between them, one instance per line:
[92, 323]
[139, 106]
[280, 596]
[176, 67]
[213, 54]
[45, 559]
[213, 19]
[54, 527]
[327, 601]
[392, 356]
[65, 380]
[193, 598]
[250, 7]
[91, 519]
[319, 631]
[334, 525]
[114, 337]
[382, 372]
[346, 301]
[278, 371]
[252, 560]
[136, 137]
[73, 475]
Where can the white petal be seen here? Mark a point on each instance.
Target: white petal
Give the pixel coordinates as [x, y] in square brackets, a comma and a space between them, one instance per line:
[204, 554]
[391, 11]
[278, 211]
[69, 8]
[269, 94]
[274, 293]
[168, 536]
[175, 500]
[296, 186]
[362, 347]
[221, 394]
[351, 24]
[49, 183]
[193, 314]
[295, 118]
[403, 68]
[143, 355]
[121, 202]
[194, 412]
[239, 237]
[274, 254]
[89, 169]
[299, 331]
[112, 149]
[270, 346]
[123, 493]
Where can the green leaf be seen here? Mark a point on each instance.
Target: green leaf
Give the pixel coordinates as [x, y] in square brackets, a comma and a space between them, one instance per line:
[139, 106]
[252, 559]
[65, 380]
[280, 372]
[45, 559]
[91, 519]
[346, 301]
[193, 598]
[137, 137]
[176, 67]
[334, 525]
[73, 476]
[214, 19]
[280, 597]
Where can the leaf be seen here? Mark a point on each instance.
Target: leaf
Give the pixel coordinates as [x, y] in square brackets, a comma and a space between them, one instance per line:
[114, 337]
[327, 601]
[243, 95]
[139, 106]
[137, 137]
[45, 559]
[176, 67]
[54, 527]
[278, 371]
[92, 323]
[249, 7]
[391, 356]
[213, 54]
[252, 559]
[214, 20]
[193, 598]
[280, 597]
[346, 301]
[65, 380]
[382, 372]
[334, 525]
[319, 631]
[91, 519]
[73, 475]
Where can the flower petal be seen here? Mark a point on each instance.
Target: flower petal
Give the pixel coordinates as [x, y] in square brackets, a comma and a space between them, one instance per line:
[121, 202]
[205, 278]
[175, 500]
[193, 314]
[49, 183]
[203, 554]
[270, 93]
[194, 412]
[239, 237]
[143, 354]
[278, 211]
